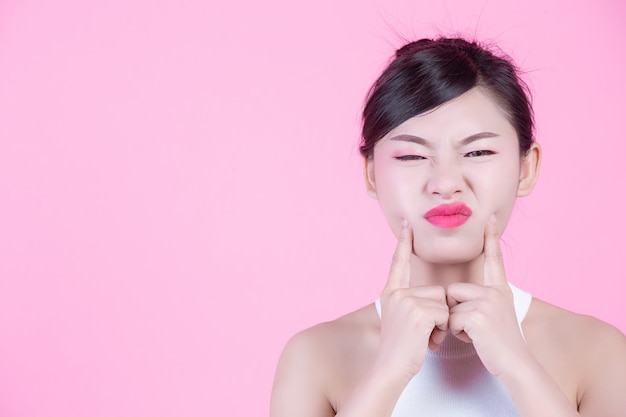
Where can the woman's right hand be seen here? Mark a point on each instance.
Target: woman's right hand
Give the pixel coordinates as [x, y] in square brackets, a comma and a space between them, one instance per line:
[412, 318]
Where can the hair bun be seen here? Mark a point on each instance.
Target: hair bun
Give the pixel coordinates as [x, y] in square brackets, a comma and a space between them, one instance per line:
[413, 47]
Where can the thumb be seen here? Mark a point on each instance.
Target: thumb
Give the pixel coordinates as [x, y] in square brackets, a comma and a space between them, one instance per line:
[399, 273]
[494, 261]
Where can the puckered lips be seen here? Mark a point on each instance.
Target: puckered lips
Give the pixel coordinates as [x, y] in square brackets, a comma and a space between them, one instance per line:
[448, 216]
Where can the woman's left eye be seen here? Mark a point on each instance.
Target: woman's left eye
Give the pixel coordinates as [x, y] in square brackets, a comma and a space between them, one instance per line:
[474, 154]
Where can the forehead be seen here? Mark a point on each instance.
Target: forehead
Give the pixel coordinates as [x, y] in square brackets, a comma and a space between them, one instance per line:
[472, 112]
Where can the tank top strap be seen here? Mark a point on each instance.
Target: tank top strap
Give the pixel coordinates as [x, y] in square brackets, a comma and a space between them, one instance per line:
[522, 300]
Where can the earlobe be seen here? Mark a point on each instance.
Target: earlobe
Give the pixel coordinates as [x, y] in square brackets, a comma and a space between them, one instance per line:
[529, 170]
[370, 183]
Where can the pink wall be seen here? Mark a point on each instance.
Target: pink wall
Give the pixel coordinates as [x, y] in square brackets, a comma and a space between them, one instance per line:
[180, 188]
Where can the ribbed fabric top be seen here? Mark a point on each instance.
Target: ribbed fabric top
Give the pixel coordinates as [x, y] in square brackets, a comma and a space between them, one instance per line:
[453, 381]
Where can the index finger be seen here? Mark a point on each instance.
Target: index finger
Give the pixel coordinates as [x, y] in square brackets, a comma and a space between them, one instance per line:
[399, 273]
[494, 261]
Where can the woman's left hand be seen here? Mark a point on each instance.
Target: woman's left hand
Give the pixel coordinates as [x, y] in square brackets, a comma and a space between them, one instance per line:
[485, 314]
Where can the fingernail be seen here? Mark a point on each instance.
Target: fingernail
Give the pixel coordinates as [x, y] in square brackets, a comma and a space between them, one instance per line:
[492, 219]
[405, 224]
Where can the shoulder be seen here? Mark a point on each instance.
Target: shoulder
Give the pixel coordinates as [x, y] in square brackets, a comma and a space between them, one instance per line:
[317, 359]
[323, 340]
[587, 354]
[564, 327]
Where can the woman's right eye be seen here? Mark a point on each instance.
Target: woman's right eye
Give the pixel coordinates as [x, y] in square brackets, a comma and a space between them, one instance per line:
[409, 158]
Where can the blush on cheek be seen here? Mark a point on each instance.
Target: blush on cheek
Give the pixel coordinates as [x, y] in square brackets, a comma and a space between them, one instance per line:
[396, 197]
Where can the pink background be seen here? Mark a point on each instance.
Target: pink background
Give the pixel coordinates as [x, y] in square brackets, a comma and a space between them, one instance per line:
[181, 191]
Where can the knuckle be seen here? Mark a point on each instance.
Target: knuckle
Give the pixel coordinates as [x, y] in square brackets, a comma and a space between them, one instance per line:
[490, 292]
[440, 292]
[495, 254]
[397, 259]
[454, 325]
[477, 319]
[395, 296]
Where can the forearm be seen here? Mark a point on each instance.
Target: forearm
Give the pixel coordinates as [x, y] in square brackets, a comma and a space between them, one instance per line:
[374, 396]
[535, 393]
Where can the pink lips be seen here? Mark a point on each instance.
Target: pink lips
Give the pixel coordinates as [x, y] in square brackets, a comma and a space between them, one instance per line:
[448, 216]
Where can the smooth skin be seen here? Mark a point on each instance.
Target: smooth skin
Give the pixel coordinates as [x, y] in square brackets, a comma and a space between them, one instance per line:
[358, 365]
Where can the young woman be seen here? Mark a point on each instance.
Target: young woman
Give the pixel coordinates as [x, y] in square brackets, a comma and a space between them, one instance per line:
[448, 146]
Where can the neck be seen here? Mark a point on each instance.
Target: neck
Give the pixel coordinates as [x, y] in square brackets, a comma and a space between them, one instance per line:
[426, 273]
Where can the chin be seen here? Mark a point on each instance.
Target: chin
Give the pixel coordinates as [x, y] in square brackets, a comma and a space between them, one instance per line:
[450, 251]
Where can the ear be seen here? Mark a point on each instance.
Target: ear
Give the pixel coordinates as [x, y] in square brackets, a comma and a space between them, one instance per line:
[529, 170]
[368, 170]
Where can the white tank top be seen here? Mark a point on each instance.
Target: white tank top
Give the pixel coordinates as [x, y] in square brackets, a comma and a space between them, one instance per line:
[453, 381]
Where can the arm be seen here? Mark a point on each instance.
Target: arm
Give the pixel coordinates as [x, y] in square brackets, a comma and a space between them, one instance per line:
[412, 320]
[534, 391]
[304, 374]
[299, 384]
[375, 396]
[297, 387]
[485, 316]
[603, 394]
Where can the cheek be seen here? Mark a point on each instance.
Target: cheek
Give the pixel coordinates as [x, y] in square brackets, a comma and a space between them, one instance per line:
[397, 192]
[500, 191]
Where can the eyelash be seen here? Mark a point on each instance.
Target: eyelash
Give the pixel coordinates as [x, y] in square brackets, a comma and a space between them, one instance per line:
[482, 152]
[409, 158]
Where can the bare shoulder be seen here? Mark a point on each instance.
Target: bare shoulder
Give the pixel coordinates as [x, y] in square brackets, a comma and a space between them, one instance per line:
[586, 356]
[575, 331]
[337, 337]
[317, 363]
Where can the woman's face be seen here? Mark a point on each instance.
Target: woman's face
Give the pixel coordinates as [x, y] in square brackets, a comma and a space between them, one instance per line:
[447, 171]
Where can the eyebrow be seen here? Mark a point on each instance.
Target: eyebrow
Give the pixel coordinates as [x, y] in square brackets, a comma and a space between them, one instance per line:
[466, 141]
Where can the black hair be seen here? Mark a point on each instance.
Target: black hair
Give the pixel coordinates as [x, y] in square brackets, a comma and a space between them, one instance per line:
[428, 73]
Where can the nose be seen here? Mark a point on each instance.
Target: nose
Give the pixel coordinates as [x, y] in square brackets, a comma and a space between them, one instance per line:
[446, 179]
